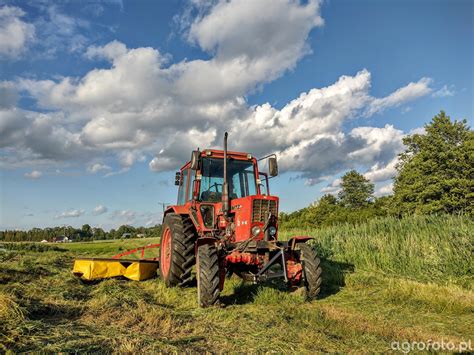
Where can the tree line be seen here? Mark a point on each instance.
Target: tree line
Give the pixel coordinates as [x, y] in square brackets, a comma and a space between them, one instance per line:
[435, 175]
[86, 233]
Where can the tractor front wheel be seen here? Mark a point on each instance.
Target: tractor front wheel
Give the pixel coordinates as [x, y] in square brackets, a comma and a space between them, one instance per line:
[207, 275]
[311, 271]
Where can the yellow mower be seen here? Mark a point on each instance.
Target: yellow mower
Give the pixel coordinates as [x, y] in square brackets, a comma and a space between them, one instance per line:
[90, 269]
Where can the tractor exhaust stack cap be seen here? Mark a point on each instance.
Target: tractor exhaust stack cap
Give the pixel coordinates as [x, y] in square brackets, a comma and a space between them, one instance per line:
[225, 185]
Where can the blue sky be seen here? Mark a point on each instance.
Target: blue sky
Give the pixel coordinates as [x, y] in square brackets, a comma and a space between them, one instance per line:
[100, 102]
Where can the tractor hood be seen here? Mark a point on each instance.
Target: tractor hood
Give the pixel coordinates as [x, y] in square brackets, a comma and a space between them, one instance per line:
[252, 211]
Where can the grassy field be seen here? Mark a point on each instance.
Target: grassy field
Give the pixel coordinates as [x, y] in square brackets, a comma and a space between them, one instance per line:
[385, 281]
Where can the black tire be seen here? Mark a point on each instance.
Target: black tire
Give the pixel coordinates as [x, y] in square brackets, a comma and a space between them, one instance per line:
[312, 271]
[183, 236]
[207, 275]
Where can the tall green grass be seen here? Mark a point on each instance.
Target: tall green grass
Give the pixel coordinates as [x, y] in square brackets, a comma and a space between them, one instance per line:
[428, 248]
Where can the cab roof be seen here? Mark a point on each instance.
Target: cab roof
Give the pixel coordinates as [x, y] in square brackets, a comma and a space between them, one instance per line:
[219, 154]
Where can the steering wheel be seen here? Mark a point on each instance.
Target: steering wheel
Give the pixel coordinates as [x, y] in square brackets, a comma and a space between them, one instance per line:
[216, 186]
[211, 195]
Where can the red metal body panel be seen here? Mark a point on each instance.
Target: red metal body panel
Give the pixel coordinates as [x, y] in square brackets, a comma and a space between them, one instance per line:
[294, 270]
[242, 207]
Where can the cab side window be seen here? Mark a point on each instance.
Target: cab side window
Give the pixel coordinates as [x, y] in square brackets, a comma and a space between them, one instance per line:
[182, 187]
[191, 185]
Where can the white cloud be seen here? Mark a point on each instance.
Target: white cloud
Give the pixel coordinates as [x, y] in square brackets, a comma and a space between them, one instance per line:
[249, 48]
[384, 190]
[379, 172]
[60, 32]
[418, 130]
[333, 188]
[70, 214]
[444, 92]
[101, 209]
[33, 175]
[15, 34]
[405, 94]
[98, 167]
[112, 50]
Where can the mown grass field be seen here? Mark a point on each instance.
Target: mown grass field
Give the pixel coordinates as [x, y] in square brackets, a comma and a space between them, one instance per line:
[385, 281]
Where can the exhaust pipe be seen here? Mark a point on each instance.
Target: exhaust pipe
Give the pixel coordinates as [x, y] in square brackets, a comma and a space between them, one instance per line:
[225, 186]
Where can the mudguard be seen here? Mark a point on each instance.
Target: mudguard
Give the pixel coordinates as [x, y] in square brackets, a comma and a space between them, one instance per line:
[298, 239]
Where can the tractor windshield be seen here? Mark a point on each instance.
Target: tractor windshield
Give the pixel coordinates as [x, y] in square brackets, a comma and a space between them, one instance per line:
[241, 176]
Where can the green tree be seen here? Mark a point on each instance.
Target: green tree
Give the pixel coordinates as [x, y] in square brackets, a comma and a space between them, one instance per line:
[356, 191]
[98, 233]
[86, 231]
[436, 171]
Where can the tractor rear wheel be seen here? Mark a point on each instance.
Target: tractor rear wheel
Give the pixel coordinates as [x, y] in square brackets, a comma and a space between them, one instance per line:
[311, 270]
[207, 275]
[177, 250]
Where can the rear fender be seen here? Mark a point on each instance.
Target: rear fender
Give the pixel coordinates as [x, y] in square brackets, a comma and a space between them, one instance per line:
[298, 239]
[183, 211]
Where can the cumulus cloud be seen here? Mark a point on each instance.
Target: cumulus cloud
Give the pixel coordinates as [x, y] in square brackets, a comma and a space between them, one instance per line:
[110, 51]
[15, 34]
[101, 209]
[70, 214]
[248, 48]
[33, 175]
[379, 172]
[141, 107]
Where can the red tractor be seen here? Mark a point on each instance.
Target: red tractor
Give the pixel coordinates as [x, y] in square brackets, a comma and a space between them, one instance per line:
[226, 222]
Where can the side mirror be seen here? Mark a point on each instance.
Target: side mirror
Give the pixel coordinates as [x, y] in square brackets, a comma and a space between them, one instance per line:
[177, 179]
[195, 159]
[272, 166]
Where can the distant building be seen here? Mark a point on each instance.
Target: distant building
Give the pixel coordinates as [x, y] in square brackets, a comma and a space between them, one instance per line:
[126, 235]
[61, 239]
[44, 241]
[140, 235]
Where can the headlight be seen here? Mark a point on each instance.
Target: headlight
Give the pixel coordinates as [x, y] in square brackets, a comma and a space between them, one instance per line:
[272, 230]
[256, 230]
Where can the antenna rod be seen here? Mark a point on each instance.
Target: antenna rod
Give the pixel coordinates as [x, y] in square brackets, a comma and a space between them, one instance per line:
[225, 186]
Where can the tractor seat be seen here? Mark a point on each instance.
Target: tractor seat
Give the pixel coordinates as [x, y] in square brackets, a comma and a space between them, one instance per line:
[211, 196]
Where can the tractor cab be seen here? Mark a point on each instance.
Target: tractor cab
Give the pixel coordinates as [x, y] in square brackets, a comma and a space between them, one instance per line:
[252, 211]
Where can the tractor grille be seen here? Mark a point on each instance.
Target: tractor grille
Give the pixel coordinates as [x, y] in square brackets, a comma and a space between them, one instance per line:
[261, 208]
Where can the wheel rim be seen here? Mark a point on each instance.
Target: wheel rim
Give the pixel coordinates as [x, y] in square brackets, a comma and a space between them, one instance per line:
[165, 257]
